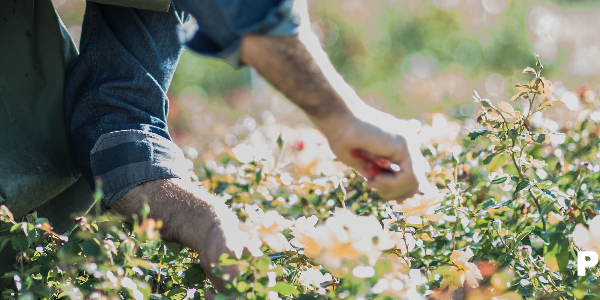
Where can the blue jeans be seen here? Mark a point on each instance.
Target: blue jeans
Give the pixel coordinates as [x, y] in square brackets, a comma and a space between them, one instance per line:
[116, 102]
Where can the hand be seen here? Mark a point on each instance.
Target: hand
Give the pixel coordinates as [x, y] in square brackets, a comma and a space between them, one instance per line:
[299, 68]
[224, 238]
[218, 242]
[191, 217]
[383, 135]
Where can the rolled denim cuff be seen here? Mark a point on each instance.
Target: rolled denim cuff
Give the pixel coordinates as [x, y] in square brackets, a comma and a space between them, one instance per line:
[123, 159]
[201, 38]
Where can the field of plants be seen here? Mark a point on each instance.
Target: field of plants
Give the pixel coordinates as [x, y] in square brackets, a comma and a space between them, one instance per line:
[516, 165]
[515, 205]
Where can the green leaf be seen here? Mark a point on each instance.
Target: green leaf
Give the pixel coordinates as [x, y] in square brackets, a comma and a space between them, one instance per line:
[32, 236]
[246, 256]
[280, 141]
[228, 260]
[341, 192]
[209, 173]
[513, 134]
[258, 176]
[486, 103]
[488, 204]
[3, 241]
[263, 281]
[454, 160]
[41, 221]
[285, 289]
[33, 269]
[539, 138]
[242, 286]
[488, 159]
[5, 226]
[310, 296]
[6, 215]
[222, 187]
[549, 193]
[145, 209]
[91, 248]
[524, 185]
[547, 207]
[557, 252]
[473, 135]
[500, 180]
[174, 248]
[16, 227]
[262, 263]
[175, 291]
[525, 233]
[20, 243]
[498, 161]
[194, 275]
[526, 290]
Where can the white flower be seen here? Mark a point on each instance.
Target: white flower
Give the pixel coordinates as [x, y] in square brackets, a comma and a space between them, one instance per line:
[267, 227]
[348, 237]
[588, 239]
[462, 271]
[305, 232]
[420, 205]
[312, 278]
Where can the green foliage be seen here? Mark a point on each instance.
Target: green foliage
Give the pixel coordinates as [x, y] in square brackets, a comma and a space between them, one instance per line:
[513, 197]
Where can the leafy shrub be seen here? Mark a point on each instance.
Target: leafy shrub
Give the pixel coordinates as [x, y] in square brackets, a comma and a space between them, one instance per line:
[505, 223]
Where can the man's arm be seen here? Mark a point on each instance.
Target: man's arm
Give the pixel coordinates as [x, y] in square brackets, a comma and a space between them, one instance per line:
[191, 217]
[301, 70]
[197, 219]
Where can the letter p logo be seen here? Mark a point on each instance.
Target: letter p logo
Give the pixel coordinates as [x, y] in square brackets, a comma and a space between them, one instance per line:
[583, 263]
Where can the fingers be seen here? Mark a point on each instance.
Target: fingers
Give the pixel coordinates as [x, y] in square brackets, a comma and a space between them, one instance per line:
[395, 186]
[398, 185]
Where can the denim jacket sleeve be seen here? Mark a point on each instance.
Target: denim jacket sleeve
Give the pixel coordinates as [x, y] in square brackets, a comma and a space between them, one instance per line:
[156, 5]
[219, 25]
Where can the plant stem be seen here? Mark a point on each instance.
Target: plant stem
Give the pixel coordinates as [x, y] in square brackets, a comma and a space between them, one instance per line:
[512, 155]
[539, 207]
[535, 199]
[454, 231]
[502, 240]
[580, 183]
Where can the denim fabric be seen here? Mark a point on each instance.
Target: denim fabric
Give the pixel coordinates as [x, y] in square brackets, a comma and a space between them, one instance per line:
[221, 24]
[118, 84]
[115, 94]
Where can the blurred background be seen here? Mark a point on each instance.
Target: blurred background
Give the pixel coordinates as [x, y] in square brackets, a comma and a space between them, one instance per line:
[418, 59]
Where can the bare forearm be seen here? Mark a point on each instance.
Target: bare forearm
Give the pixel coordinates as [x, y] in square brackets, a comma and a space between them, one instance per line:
[191, 217]
[288, 65]
[302, 71]
[178, 204]
[299, 68]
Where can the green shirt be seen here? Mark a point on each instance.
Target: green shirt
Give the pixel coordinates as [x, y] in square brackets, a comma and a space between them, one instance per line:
[35, 51]
[158, 5]
[35, 164]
